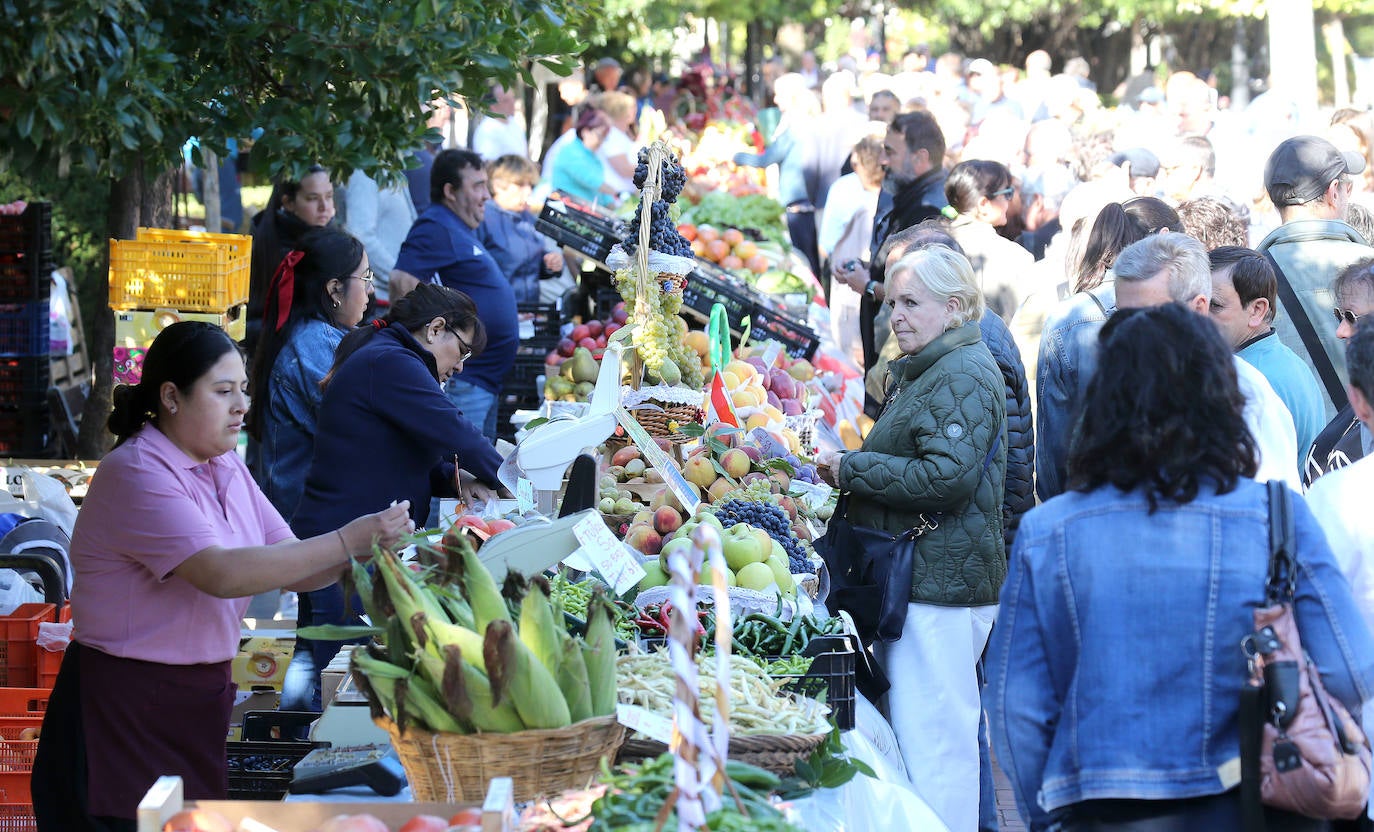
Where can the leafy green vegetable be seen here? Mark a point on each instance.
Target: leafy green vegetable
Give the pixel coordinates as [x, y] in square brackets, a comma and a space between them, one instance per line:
[755, 211]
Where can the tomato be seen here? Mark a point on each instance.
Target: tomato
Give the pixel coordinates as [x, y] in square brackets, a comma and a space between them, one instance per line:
[425, 823]
[468, 816]
[354, 823]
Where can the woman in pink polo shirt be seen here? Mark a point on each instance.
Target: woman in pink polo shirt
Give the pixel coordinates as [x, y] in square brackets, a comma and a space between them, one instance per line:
[171, 541]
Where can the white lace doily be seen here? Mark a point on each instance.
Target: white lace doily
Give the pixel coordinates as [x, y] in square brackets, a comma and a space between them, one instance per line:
[659, 263]
[661, 392]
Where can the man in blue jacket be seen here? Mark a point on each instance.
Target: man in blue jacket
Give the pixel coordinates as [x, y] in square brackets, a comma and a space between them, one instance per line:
[442, 247]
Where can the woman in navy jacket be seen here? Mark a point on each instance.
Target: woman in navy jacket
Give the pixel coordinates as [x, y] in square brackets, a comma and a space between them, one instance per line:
[388, 432]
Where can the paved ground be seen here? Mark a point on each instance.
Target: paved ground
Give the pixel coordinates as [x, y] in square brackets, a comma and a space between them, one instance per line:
[1007, 818]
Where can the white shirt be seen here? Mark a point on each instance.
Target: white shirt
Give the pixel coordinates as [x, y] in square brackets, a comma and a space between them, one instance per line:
[380, 219]
[1340, 500]
[1272, 426]
[495, 137]
[617, 144]
[845, 198]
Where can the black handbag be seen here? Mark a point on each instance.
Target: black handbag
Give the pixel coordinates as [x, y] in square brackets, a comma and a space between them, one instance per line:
[870, 569]
[870, 573]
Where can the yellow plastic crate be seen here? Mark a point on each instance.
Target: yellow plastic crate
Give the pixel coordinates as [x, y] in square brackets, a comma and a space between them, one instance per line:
[180, 269]
[138, 327]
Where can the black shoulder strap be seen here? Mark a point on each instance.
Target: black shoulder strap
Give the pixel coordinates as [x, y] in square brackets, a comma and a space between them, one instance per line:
[1326, 371]
[1251, 719]
[1283, 566]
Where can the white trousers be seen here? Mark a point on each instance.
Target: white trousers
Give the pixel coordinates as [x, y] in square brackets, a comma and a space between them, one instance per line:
[935, 707]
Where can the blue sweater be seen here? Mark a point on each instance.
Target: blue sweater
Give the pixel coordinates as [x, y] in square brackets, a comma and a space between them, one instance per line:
[440, 248]
[387, 431]
[1295, 384]
[517, 248]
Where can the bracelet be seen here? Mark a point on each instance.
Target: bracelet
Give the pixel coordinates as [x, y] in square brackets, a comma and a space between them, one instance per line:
[339, 532]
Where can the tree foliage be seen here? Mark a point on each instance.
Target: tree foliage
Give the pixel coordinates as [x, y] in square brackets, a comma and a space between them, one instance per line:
[111, 89]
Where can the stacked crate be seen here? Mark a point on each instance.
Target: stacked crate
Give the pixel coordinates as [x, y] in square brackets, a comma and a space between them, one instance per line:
[26, 264]
[539, 329]
[163, 277]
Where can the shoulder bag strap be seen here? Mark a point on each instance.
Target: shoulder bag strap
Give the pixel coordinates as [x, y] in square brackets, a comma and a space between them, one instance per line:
[1326, 371]
[1283, 568]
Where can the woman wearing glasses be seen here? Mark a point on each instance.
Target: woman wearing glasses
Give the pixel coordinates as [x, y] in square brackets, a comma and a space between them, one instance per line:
[388, 432]
[980, 194]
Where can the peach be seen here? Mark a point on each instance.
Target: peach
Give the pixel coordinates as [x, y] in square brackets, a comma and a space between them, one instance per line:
[644, 538]
[667, 520]
[735, 462]
[719, 489]
[699, 471]
[624, 455]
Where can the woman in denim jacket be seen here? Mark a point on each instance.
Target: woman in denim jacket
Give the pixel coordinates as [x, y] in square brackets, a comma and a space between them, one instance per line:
[321, 290]
[1116, 667]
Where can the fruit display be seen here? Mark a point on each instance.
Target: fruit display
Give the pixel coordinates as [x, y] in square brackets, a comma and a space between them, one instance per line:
[456, 659]
[572, 366]
[654, 299]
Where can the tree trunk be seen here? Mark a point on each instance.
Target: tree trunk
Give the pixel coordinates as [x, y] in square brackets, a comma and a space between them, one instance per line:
[213, 222]
[134, 201]
[1293, 53]
[1240, 68]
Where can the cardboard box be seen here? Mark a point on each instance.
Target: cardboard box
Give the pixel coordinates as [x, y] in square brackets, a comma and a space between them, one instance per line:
[262, 661]
[135, 330]
[165, 799]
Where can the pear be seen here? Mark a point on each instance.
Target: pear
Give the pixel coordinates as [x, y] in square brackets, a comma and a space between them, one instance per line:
[584, 367]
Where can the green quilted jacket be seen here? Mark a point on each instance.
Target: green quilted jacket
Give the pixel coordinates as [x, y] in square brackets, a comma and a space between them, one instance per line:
[946, 407]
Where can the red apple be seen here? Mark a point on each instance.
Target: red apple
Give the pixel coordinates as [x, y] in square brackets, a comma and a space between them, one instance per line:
[601, 341]
[566, 347]
[594, 328]
[554, 358]
[611, 329]
[588, 342]
[579, 332]
[620, 316]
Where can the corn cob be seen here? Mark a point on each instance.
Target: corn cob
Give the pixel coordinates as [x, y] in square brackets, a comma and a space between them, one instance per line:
[518, 676]
[412, 697]
[537, 628]
[479, 588]
[599, 653]
[572, 680]
[432, 634]
[467, 692]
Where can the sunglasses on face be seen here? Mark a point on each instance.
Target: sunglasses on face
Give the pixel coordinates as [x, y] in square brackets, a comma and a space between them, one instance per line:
[1346, 315]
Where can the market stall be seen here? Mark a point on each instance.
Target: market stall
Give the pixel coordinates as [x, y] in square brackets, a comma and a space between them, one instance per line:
[640, 635]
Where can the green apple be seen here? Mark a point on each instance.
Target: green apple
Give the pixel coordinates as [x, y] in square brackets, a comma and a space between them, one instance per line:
[778, 552]
[766, 542]
[704, 577]
[755, 576]
[672, 546]
[782, 575]
[654, 576]
[741, 547]
[606, 506]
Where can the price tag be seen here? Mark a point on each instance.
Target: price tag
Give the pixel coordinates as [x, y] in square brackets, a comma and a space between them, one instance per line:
[657, 458]
[770, 353]
[524, 495]
[646, 722]
[14, 481]
[616, 562]
[768, 446]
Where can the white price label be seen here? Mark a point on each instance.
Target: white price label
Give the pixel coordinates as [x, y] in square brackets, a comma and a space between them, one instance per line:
[448, 512]
[770, 353]
[14, 481]
[672, 477]
[646, 722]
[613, 559]
[524, 495]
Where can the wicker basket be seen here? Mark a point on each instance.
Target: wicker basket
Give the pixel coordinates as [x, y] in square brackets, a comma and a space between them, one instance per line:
[776, 753]
[615, 521]
[457, 767]
[655, 422]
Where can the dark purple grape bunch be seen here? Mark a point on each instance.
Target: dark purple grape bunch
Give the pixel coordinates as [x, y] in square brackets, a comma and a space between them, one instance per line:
[663, 234]
[671, 179]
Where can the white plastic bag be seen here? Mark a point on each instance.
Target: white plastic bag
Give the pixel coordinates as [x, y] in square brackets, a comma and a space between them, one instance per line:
[14, 591]
[54, 637]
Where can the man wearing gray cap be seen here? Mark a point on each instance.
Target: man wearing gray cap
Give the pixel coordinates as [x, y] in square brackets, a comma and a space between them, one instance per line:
[1309, 181]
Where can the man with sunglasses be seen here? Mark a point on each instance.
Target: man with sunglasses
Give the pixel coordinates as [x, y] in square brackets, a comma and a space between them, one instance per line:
[1346, 439]
[1309, 181]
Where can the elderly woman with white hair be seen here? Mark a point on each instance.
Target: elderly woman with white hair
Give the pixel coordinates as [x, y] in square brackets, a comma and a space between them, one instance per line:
[937, 453]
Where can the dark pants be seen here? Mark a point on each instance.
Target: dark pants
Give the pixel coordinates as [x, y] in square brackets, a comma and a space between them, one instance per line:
[801, 227]
[1212, 812]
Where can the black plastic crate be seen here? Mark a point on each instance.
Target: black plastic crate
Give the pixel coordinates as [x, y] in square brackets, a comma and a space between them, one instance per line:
[261, 770]
[24, 328]
[706, 287]
[830, 677]
[606, 300]
[570, 224]
[26, 432]
[546, 318]
[798, 340]
[24, 276]
[30, 231]
[24, 382]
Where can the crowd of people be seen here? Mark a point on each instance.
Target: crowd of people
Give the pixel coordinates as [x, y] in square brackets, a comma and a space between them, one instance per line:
[1089, 335]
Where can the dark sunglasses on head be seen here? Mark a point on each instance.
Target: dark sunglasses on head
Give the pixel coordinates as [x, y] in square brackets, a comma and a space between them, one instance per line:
[1006, 192]
[1346, 315]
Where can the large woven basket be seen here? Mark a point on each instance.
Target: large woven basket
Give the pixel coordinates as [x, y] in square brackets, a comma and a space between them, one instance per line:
[457, 767]
[776, 753]
[655, 422]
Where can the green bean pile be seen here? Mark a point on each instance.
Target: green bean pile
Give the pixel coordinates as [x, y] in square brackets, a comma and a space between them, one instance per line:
[635, 794]
[762, 635]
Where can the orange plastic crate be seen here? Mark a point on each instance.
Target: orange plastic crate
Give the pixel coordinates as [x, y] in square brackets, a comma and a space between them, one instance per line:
[17, 817]
[18, 650]
[180, 269]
